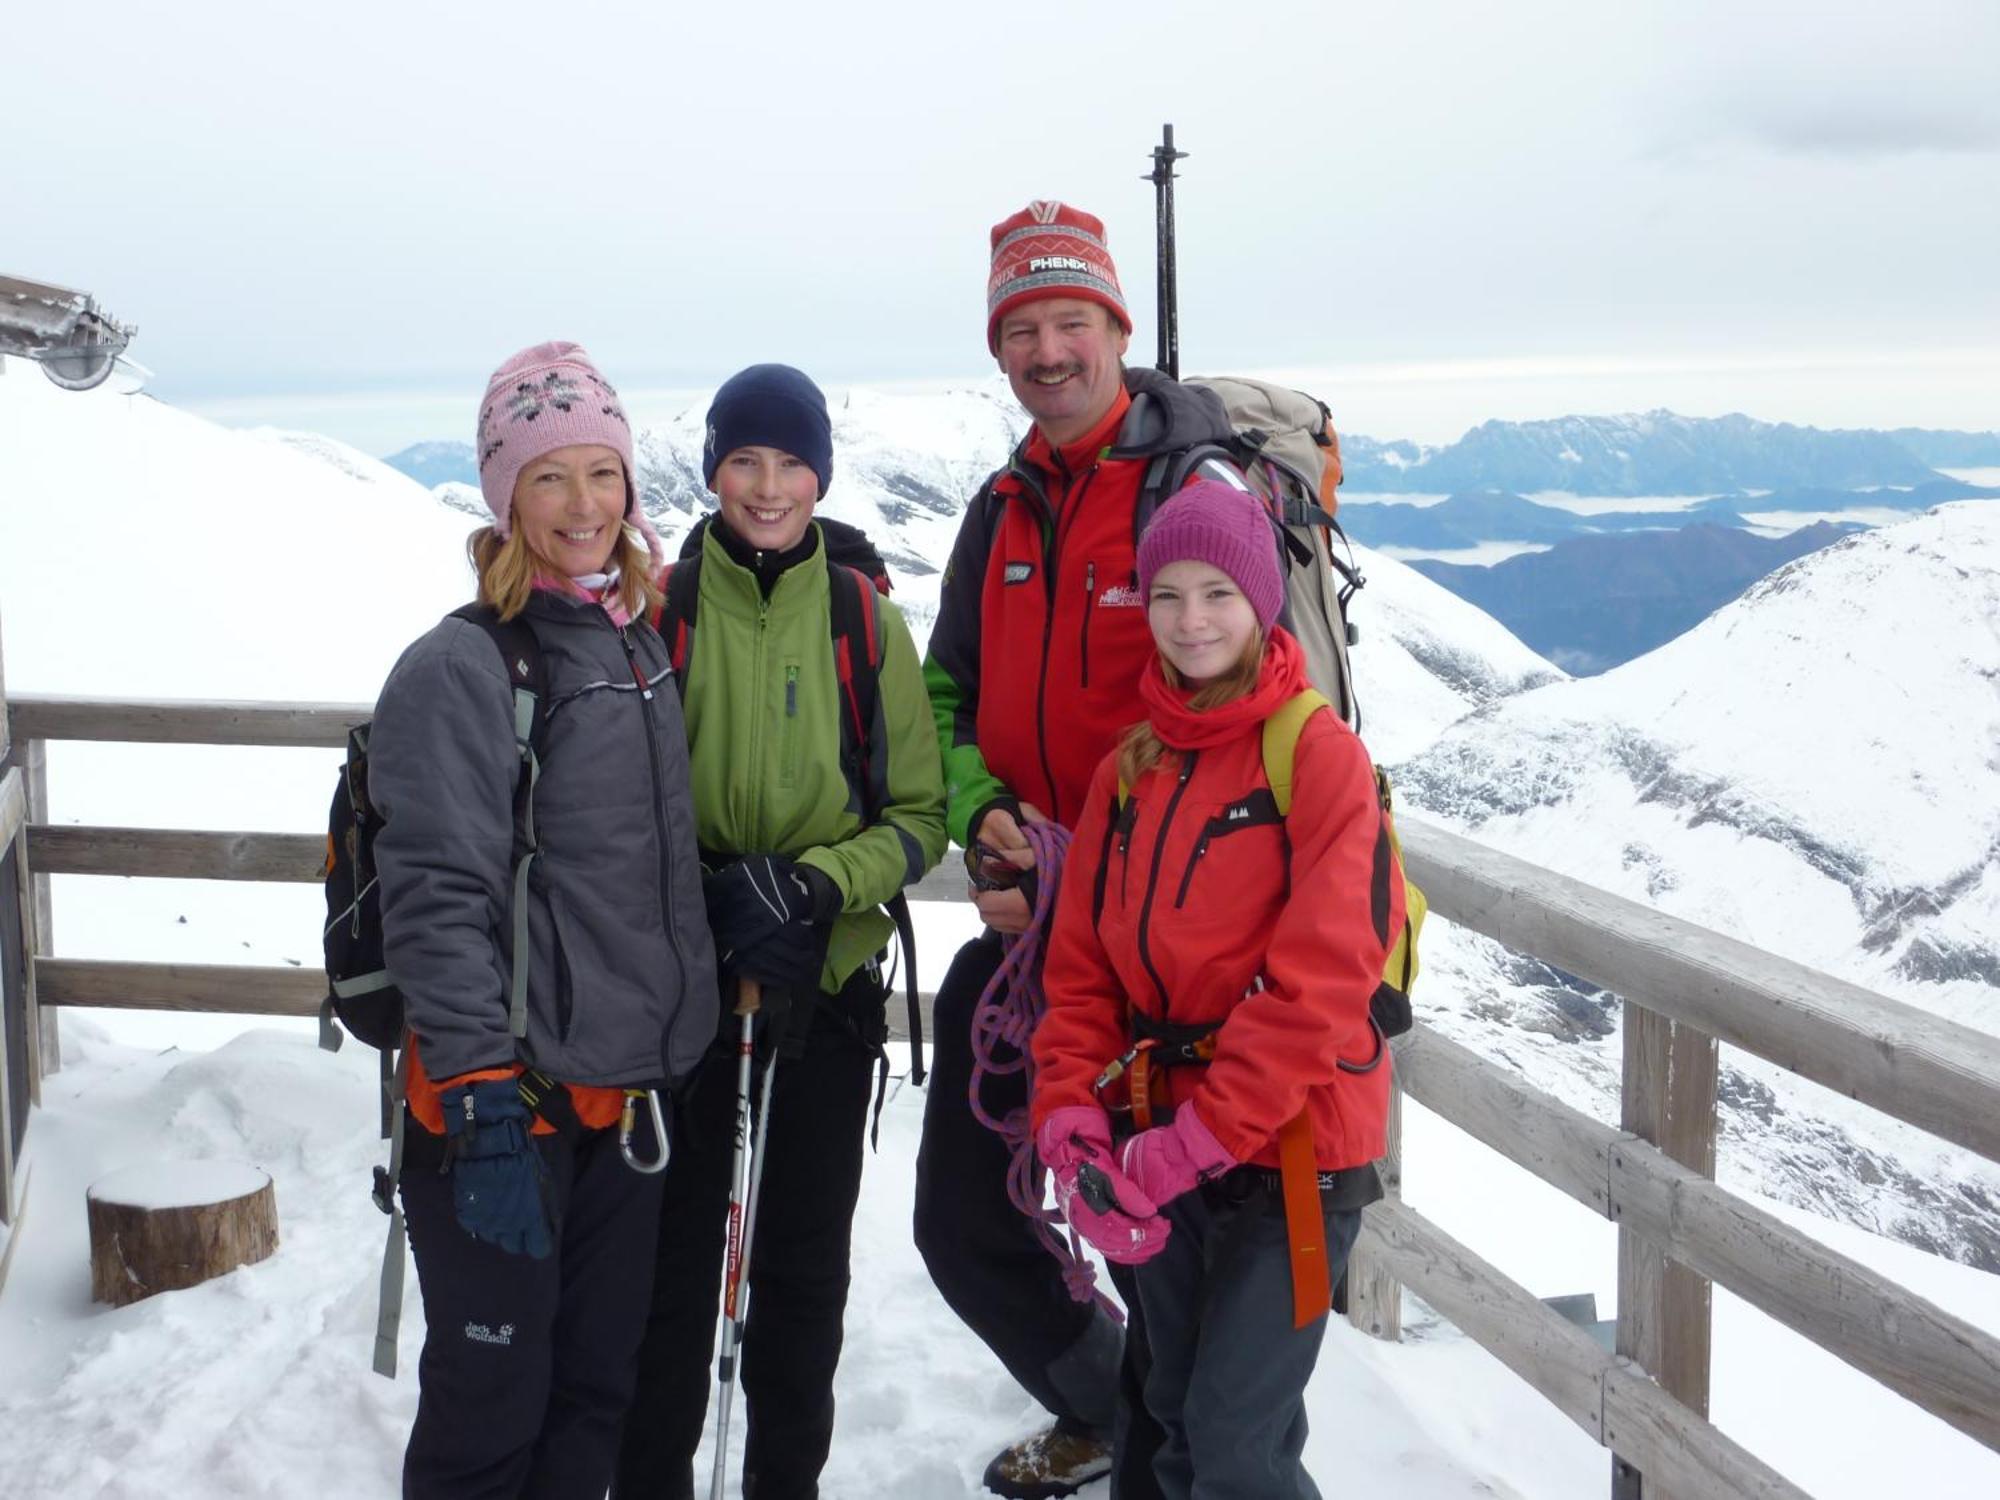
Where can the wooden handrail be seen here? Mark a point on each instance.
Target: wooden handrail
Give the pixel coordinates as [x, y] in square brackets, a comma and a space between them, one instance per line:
[1608, 1397]
[1930, 1072]
[182, 721]
[1911, 1345]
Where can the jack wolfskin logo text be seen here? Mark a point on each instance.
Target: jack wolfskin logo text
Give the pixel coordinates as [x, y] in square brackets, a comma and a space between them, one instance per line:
[1059, 263]
[1019, 572]
[1120, 596]
[479, 1333]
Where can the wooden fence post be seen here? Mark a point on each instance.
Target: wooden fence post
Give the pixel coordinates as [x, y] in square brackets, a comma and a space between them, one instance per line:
[10, 783]
[44, 1042]
[1374, 1296]
[1663, 1307]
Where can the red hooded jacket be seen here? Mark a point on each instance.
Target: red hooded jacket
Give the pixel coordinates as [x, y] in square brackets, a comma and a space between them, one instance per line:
[1205, 890]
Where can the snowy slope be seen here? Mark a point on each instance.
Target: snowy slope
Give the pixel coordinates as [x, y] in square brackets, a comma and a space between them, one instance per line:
[1816, 770]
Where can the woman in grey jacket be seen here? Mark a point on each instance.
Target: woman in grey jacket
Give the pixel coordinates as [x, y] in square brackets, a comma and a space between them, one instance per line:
[533, 1237]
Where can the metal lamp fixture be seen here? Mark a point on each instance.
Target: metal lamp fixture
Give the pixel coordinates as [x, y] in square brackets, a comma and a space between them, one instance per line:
[76, 343]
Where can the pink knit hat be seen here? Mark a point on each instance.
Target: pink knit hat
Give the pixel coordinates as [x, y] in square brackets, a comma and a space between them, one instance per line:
[1225, 527]
[546, 397]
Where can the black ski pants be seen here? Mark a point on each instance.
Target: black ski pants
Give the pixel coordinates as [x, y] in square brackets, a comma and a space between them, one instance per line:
[799, 1260]
[528, 1365]
[993, 1269]
[1229, 1370]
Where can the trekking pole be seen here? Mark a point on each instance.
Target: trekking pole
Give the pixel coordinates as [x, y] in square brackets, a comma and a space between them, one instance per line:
[742, 1210]
[1162, 178]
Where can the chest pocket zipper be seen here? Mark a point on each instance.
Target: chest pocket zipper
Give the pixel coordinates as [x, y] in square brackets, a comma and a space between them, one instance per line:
[1258, 810]
[788, 739]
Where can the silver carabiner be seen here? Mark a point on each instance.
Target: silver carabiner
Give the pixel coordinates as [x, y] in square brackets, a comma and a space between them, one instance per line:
[628, 1119]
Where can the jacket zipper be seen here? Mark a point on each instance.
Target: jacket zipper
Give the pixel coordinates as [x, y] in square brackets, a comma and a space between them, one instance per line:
[1051, 560]
[1089, 598]
[1187, 878]
[1131, 821]
[659, 818]
[1153, 876]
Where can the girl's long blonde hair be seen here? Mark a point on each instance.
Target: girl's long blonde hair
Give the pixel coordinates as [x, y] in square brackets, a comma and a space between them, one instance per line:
[507, 570]
[1141, 748]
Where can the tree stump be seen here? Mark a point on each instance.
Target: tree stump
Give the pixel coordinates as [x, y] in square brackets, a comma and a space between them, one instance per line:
[168, 1225]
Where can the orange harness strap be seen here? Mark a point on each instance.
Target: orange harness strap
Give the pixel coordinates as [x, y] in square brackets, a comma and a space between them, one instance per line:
[1141, 1088]
[1298, 1173]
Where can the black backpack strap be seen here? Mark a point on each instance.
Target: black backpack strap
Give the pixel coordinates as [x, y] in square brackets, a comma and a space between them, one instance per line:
[857, 647]
[674, 619]
[1166, 473]
[857, 663]
[521, 653]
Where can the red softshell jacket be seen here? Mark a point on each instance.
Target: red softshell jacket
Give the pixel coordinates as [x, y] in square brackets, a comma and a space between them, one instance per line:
[1041, 631]
[1061, 601]
[1205, 890]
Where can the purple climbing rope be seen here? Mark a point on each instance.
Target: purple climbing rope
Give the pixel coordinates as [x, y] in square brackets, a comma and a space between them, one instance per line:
[1008, 1009]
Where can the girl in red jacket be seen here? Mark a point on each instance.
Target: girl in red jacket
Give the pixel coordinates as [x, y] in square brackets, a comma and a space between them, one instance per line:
[1208, 979]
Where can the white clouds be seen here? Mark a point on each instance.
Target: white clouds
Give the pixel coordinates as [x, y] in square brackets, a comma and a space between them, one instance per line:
[395, 196]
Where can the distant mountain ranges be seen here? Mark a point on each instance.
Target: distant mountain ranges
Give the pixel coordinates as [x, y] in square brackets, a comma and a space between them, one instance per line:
[1657, 453]
[1612, 585]
[1595, 601]
[1660, 453]
[1470, 517]
[437, 463]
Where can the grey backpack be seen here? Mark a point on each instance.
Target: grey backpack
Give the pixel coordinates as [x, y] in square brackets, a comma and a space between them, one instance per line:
[1285, 451]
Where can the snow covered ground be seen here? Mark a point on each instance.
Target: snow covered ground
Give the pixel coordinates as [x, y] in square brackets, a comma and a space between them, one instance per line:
[280, 566]
[257, 1384]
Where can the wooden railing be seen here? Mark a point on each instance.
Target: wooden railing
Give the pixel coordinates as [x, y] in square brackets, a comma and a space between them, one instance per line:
[1684, 988]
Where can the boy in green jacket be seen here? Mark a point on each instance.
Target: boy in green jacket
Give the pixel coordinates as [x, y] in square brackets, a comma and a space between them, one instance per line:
[802, 844]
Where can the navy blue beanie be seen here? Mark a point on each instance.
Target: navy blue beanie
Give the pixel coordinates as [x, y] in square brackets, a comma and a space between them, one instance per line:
[772, 406]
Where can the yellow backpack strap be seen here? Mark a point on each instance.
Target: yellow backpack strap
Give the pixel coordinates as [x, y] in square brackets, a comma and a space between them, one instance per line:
[1281, 743]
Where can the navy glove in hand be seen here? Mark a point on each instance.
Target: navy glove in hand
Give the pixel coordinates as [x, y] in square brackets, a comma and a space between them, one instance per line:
[771, 920]
[496, 1172]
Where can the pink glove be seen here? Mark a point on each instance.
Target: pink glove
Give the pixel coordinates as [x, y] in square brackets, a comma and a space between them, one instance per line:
[1167, 1160]
[1097, 1198]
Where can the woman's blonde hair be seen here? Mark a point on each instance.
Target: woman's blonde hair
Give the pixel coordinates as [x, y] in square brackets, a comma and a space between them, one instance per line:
[508, 569]
[1141, 748]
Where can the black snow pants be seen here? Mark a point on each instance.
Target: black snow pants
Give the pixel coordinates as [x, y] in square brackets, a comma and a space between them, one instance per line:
[799, 1259]
[528, 1365]
[1229, 1370]
[992, 1268]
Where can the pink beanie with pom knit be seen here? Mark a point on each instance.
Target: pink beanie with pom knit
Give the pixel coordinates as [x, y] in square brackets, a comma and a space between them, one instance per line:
[546, 397]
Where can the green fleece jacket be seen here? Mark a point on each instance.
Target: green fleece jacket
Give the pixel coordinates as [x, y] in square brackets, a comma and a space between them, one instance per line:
[762, 708]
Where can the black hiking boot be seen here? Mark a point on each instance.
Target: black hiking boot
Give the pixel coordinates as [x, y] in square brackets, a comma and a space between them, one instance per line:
[1049, 1463]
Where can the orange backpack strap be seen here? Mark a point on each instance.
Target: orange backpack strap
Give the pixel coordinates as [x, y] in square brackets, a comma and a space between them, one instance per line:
[1305, 1228]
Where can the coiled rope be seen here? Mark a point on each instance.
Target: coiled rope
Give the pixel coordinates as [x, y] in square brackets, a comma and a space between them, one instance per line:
[1004, 1021]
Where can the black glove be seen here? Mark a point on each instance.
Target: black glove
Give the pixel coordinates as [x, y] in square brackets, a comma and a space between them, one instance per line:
[771, 919]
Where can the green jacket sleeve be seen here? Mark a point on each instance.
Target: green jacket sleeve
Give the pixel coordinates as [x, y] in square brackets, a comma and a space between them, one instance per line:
[951, 671]
[908, 836]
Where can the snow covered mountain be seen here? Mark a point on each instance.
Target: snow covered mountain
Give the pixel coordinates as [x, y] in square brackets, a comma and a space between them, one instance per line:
[1814, 769]
[1653, 453]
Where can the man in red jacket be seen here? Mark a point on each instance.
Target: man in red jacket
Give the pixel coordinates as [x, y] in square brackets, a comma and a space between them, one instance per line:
[1033, 673]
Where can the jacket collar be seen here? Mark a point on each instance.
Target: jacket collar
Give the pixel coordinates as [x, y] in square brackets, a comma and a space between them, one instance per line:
[1071, 458]
[742, 589]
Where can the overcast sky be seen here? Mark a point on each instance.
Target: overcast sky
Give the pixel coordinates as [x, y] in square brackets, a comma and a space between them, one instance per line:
[343, 216]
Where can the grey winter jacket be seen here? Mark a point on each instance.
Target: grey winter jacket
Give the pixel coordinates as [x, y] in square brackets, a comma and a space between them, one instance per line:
[622, 986]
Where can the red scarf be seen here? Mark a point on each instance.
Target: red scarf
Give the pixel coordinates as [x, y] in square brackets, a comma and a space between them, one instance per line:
[1280, 677]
